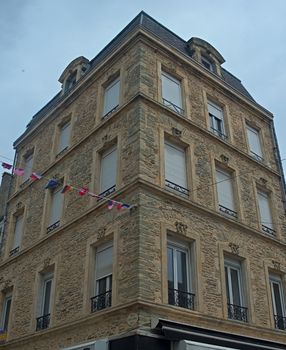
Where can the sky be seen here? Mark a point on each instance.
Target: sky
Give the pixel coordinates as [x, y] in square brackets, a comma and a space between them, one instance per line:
[39, 38]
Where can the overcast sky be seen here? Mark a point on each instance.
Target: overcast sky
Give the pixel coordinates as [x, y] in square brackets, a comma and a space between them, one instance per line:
[39, 38]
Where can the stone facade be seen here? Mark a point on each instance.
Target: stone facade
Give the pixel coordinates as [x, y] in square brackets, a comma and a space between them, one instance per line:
[138, 128]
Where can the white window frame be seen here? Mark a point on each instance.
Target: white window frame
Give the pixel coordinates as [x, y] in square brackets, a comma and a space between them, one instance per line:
[230, 208]
[45, 280]
[109, 108]
[7, 298]
[62, 129]
[103, 189]
[216, 116]
[278, 281]
[235, 265]
[28, 166]
[257, 155]
[265, 222]
[175, 105]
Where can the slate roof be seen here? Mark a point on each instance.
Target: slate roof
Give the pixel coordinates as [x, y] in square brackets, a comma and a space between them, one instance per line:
[150, 25]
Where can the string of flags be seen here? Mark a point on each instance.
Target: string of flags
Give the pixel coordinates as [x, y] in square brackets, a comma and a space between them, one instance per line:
[53, 183]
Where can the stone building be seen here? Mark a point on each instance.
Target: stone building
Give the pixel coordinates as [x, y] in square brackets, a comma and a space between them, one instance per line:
[197, 262]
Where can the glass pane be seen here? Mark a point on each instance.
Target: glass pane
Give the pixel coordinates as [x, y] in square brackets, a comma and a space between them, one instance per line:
[175, 165]
[227, 284]
[170, 269]
[56, 207]
[101, 286]
[104, 263]
[171, 90]
[277, 299]
[108, 170]
[111, 96]
[64, 137]
[28, 167]
[18, 232]
[254, 141]
[235, 286]
[224, 189]
[182, 271]
[264, 209]
[47, 297]
[7, 313]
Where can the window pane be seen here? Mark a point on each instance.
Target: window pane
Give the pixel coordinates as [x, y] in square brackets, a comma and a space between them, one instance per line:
[111, 96]
[175, 165]
[254, 141]
[108, 170]
[224, 189]
[28, 167]
[264, 209]
[47, 297]
[104, 263]
[235, 286]
[64, 137]
[56, 206]
[18, 232]
[171, 90]
[7, 307]
[278, 308]
[182, 271]
[170, 269]
[101, 286]
[227, 284]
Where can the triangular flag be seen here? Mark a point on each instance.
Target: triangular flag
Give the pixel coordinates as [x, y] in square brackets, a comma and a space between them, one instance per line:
[83, 191]
[119, 206]
[19, 171]
[110, 205]
[126, 206]
[6, 166]
[66, 188]
[51, 184]
[35, 176]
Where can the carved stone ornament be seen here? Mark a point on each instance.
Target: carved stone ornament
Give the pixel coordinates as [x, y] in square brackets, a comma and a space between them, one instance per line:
[224, 158]
[234, 248]
[7, 284]
[19, 205]
[263, 181]
[47, 263]
[176, 132]
[276, 265]
[181, 228]
[101, 233]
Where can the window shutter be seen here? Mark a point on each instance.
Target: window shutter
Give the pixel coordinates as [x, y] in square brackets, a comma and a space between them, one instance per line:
[28, 167]
[264, 209]
[64, 137]
[111, 96]
[171, 90]
[56, 206]
[18, 232]
[215, 110]
[103, 262]
[254, 141]
[175, 165]
[108, 169]
[225, 189]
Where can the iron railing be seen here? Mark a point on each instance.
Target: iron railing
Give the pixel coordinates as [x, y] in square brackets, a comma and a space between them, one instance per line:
[280, 322]
[218, 133]
[43, 322]
[175, 187]
[180, 298]
[268, 230]
[101, 301]
[256, 156]
[227, 211]
[14, 251]
[172, 106]
[107, 192]
[110, 112]
[237, 312]
[62, 152]
[53, 226]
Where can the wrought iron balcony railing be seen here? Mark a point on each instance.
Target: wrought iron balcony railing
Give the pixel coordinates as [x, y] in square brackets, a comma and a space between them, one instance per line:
[107, 192]
[256, 156]
[62, 152]
[109, 112]
[227, 211]
[53, 226]
[172, 106]
[280, 322]
[218, 133]
[180, 298]
[101, 301]
[43, 322]
[268, 230]
[176, 187]
[14, 251]
[237, 312]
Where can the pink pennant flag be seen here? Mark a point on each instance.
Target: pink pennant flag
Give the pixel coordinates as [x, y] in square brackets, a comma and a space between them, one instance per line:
[19, 171]
[119, 206]
[35, 176]
[110, 205]
[83, 191]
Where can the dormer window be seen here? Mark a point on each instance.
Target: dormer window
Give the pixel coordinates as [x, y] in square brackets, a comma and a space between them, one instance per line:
[208, 64]
[71, 81]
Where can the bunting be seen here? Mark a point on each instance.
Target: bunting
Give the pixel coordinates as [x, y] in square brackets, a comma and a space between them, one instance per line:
[51, 184]
[35, 176]
[6, 166]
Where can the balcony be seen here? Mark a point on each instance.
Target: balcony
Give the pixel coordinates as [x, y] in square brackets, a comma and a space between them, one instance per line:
[107, 192]
[227, 211]
[110, 112]
[219, 133]
[237, 312]
[53, 226]
[280, 322]
[101, 301]
[43, 322]
[179, 298]
[177, 188]
[172, 106]
[268, 230]
[256, 157]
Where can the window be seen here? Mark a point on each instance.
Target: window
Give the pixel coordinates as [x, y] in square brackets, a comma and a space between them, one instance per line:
[6, 311]
[103, 278]
[55, 209]
[18, 232]
[108, 171]
[254, 143]
[216, 120]
[111, 97]
[278, 302]
[207, 64]
[225, 195]
[64, 137]
[175, 169]
[179, 284]
[71, 81]
[265, 212]
[171, 93]
[43, 321]
[234, 292]
[28, 167]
